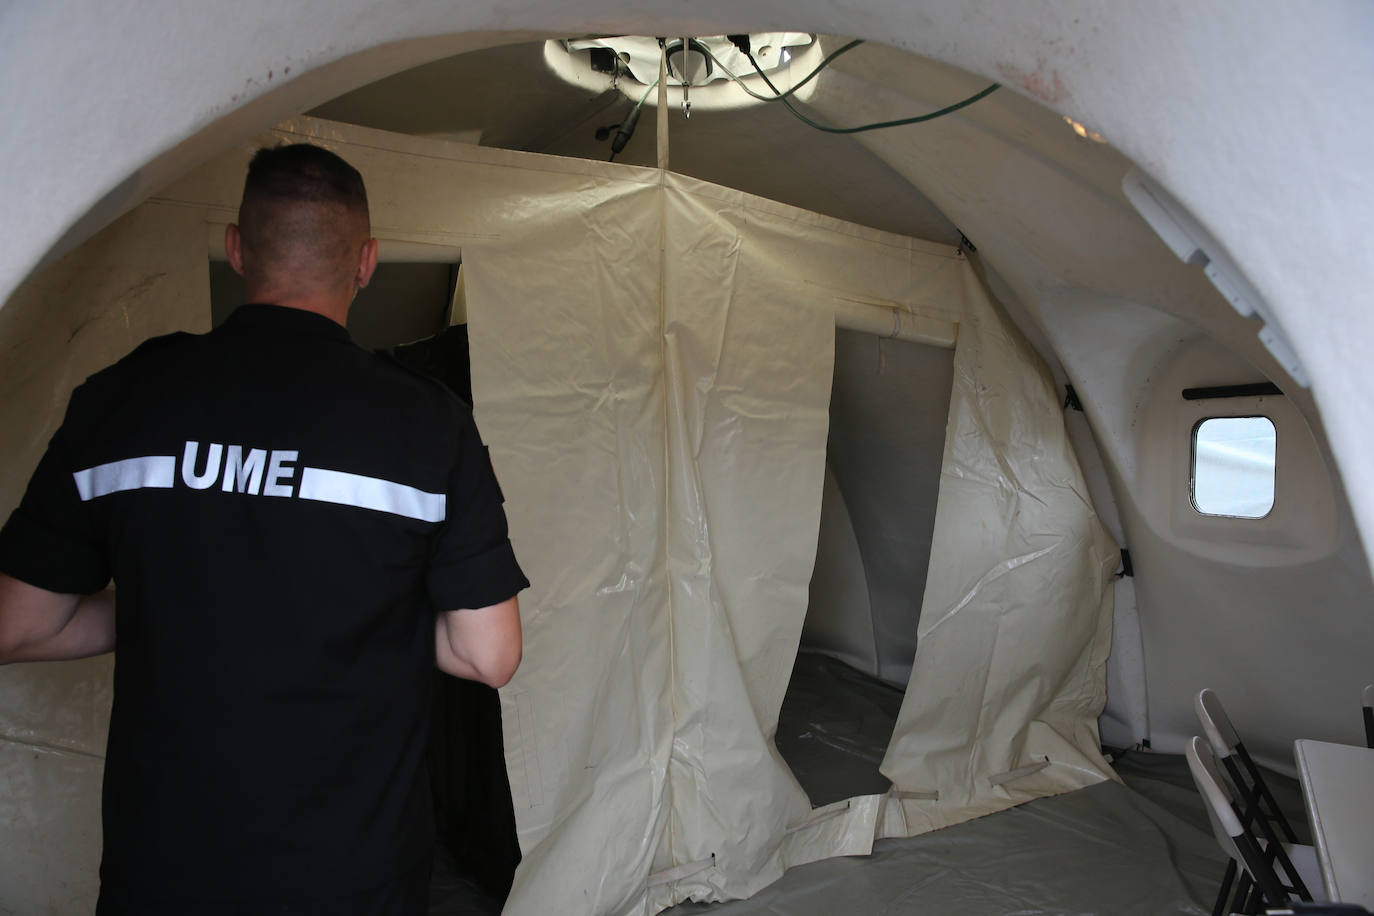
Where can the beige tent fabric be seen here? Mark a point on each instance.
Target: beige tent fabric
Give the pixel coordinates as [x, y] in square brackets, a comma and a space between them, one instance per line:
[1015, 628]
[565, 336]
[652, 373]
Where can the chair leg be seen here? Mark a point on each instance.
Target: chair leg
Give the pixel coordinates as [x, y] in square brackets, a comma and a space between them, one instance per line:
[1248, 897]
[1223, 896]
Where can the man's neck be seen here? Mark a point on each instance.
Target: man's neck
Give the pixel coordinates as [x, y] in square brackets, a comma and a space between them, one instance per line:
[332, 307]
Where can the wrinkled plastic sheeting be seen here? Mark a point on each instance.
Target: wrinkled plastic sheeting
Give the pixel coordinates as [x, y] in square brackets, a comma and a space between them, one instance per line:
[1015, 628]
[566, 366]
[651, 368]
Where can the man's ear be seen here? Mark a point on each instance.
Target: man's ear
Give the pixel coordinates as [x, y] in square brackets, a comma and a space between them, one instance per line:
[367, 263]
[233, 247]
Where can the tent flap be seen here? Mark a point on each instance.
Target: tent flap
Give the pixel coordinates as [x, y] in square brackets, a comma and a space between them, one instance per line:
[1015, 627]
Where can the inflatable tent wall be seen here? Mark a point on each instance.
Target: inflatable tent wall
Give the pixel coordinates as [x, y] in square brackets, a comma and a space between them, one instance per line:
[655, 394]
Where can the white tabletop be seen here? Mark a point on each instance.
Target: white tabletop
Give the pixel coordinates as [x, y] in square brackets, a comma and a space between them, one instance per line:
[1338, 787]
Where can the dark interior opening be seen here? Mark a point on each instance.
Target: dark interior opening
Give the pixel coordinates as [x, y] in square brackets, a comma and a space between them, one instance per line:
[889, 405]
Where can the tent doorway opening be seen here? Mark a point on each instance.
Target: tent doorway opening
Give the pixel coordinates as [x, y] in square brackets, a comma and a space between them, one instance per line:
[889, 405]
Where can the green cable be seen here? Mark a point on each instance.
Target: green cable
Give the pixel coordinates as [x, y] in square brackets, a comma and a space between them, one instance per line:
[778, 96]
[900, 121]
[876, 126]
[645, 97]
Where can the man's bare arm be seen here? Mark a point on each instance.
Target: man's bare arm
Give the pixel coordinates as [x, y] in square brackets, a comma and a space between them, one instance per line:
[482, 644]
[39, 625]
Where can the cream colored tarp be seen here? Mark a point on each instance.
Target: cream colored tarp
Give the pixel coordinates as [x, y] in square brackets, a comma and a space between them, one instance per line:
[652, 361]
[1015, 627]
[652, 373]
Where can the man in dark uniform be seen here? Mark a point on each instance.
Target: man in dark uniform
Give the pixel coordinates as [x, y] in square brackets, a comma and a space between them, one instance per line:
[297, 529]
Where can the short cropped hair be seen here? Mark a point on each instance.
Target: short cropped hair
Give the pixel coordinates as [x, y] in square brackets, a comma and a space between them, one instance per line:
[303, 216]
[304, 173]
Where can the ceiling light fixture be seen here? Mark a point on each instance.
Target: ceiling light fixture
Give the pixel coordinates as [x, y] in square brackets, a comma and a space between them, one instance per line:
[640, 54]
[699, 65]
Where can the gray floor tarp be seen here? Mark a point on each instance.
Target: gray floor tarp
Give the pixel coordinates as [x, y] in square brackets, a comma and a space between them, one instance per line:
[1143, 847]
[1103, 849]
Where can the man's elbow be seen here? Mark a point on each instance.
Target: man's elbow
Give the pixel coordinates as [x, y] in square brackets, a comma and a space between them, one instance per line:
[15, 641]
[10, 648]
[499, 667]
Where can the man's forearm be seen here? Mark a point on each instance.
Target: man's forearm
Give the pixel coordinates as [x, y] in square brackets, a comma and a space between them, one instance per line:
[449, 661]
[69, 626]
[483, 644]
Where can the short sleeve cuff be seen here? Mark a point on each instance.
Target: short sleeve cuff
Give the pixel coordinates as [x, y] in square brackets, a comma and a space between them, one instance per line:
[34, 553]
[477, 581]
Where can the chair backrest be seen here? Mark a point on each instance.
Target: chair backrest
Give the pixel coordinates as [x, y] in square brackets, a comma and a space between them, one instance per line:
[1216, 725]
[1254, 800]
[1232, 835]
[1368, 702]
[1226, 825]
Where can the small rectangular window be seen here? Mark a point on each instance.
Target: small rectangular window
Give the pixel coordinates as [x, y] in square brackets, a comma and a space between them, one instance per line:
[1233, 466]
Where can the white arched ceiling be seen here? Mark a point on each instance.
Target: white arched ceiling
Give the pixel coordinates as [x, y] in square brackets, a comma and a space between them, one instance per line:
[1255, 115]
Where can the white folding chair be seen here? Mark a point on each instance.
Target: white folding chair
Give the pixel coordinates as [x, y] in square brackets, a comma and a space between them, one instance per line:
[1252, 857]
[1257, 804]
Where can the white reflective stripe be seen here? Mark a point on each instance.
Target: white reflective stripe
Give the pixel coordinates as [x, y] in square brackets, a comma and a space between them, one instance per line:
[130, 474]
[371, 493]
